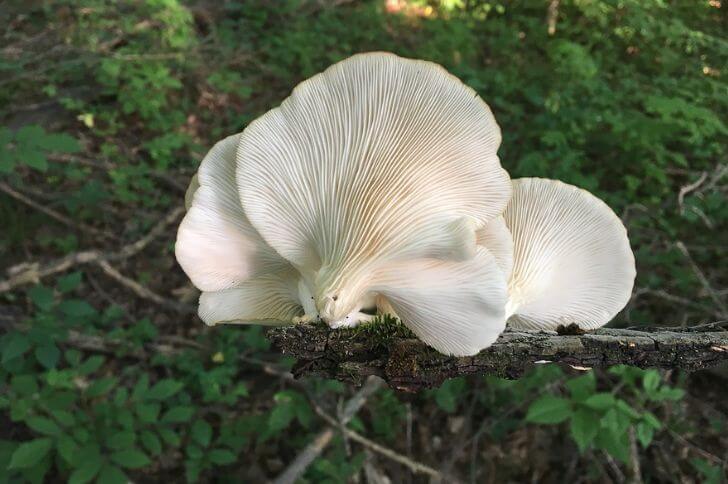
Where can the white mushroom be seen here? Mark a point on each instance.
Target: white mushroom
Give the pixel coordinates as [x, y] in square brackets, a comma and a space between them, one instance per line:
[243, 280]
[572, 262]
[377, 161]
[216, 245]
[496, 237]
[456, 307]
[364, 188]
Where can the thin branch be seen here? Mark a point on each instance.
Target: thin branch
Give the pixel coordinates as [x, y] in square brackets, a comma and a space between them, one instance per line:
[414, 466]
[552, 16]
[634, 458]
[142, 291]
[81, 227]
[703, 280]
[689, 188]
[31, 273]
[408, 364]
[322, 440]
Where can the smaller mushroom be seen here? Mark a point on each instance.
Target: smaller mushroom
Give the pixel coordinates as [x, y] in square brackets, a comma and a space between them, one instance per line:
[572, 262]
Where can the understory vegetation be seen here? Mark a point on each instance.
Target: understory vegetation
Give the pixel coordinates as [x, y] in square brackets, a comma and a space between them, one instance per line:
[106, 109]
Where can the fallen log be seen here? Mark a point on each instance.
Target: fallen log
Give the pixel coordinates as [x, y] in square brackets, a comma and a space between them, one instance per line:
[390, 351]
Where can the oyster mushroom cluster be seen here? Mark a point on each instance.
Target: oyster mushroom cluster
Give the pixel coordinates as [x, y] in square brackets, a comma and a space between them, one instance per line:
[376, 188]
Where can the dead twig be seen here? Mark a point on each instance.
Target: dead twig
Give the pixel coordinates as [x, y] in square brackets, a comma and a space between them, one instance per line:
[701, 452]
[689, 188]
[79, 226]
[552, 16]
[142, 291]
[634, 458]
[31, 273]
[414, 466]
[703, 280]
[322, 440]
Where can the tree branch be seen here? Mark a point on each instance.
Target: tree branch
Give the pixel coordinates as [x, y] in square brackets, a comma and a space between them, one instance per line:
[391, 352]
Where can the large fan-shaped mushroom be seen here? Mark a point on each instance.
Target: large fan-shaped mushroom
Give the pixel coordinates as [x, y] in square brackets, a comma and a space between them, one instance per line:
[572, 262]
[365, 186]
[377, 160]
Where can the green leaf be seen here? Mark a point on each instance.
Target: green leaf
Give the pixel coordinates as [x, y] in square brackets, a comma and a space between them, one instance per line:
[584, 427]
[24, 384]
[178, 414]
[667, 393]
[110, 474]
[30, 453]
[67, 448]
[651, 381]
[712, 474]
[615, 421]
[48, 355]
[151, 442]
[69, 282]
[616, 444]
[141, 387]
[650, 419]
[43, 425]
[42, 297]
[121, 440]
[148, 412]
[6, 136]
[15, 345]
[448, 395]
[221, 457]
[30, 135]
[280, 417]
[644, 434]
[86, 471]
[169, 436]
[130, 459]
[202, 432]
[582, 387]
[626, 409]
[100, 387]
[600, 401]
[59, 142]
[549, 410]
[34, 159]
[194, 451]
[63, 417]
[92, 364]
[76, 308]
[164, 389]
[7, 161]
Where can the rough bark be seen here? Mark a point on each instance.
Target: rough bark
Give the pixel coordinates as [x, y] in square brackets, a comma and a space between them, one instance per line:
[408, 364]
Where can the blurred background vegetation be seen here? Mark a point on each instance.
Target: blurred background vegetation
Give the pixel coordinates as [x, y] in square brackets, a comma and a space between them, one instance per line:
[106, 109]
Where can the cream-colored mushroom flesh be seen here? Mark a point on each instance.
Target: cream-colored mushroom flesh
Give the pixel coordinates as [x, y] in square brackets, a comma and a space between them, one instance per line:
[378, 159]
[266, 299]
[242, 278]
[216, 245]
[496, 237]
[456, 307]
[572, 262]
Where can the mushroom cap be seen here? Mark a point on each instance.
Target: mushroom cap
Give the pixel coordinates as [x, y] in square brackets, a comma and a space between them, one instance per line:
[496, 237]
[572, 262]
[377, 159]
[457, 307]
[265, 299]
[216, 245]
[242, 279]
[191, 189]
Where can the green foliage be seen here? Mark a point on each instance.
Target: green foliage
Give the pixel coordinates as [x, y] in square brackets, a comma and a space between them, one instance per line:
[101, 101]
[602, 419]
[29, 146]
